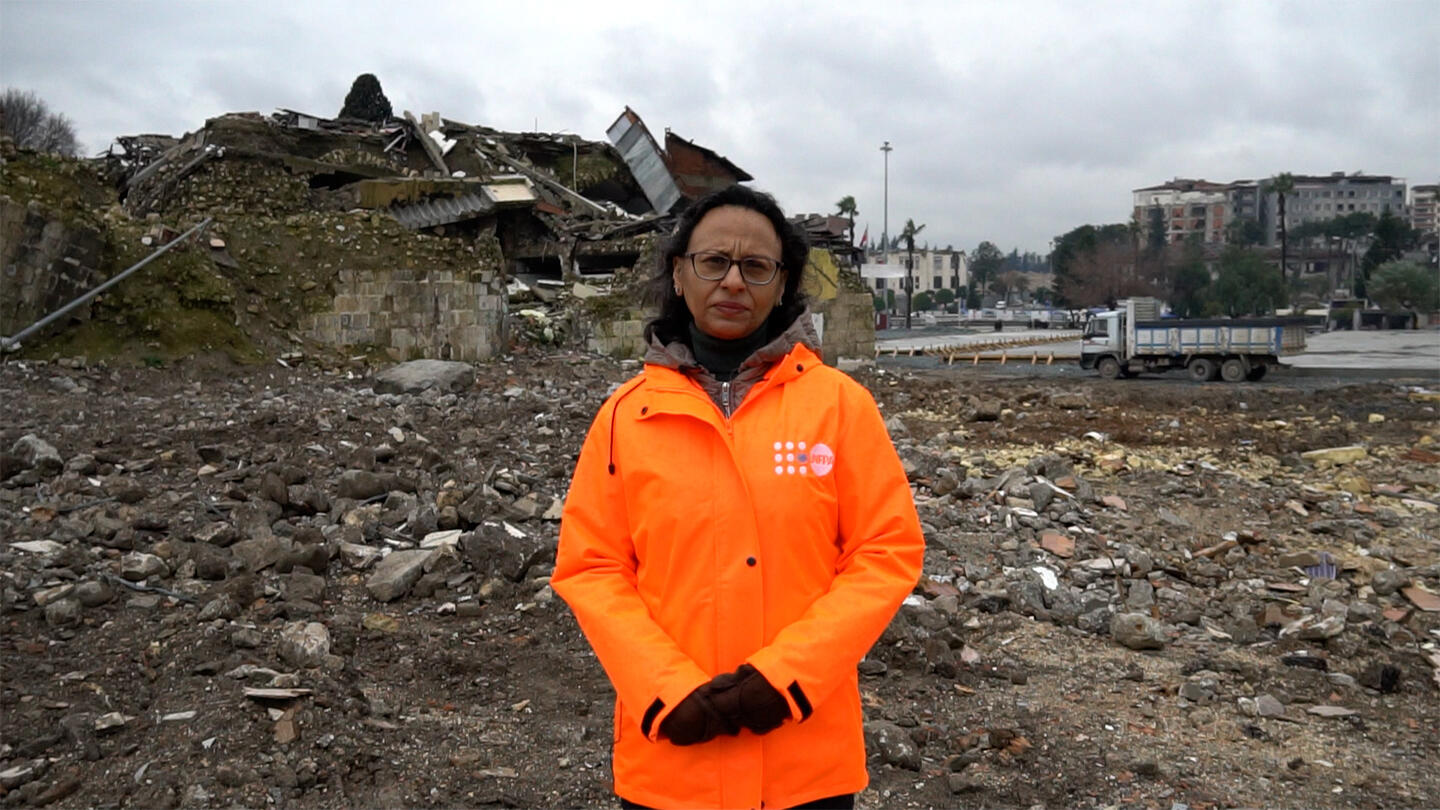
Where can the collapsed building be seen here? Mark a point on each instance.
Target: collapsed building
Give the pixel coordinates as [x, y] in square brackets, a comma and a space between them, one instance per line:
[411, 237]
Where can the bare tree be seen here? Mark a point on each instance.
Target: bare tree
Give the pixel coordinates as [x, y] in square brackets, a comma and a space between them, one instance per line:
[28, 121]
[1104, 275]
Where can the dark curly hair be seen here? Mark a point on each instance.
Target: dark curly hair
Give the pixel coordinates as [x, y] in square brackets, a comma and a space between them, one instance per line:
[673, 322]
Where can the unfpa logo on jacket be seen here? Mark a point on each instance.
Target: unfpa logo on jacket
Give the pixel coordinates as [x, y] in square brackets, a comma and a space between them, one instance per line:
[797, 458]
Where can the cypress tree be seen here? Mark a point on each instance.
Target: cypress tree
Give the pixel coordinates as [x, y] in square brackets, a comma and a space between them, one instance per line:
[366, 100]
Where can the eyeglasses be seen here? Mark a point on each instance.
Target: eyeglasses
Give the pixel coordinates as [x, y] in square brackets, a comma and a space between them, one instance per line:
[712, 265]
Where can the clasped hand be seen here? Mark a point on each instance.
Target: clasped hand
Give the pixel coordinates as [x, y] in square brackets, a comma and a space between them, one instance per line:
[727, 703]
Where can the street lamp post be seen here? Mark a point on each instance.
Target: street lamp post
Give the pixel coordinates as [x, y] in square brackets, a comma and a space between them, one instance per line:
[885, 232]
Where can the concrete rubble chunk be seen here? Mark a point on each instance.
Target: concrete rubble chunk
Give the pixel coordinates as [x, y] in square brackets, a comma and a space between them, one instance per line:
[1137, 631]
[259, 553]
[359, 557]
[37, 454]
[138, 566]
[38, 546]
[395, 575]
[892, 744]
[1268, 705]
[111, 720]
[47, 595]
[505, 551]
[63, 613]
[1335, 455]
[443, 539]
[421, 375]
[362, 485]
[304, 644]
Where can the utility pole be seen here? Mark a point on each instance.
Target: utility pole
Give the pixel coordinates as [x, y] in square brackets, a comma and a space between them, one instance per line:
[885, 233]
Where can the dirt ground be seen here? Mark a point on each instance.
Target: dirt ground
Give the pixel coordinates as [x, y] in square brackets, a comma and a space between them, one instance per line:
[205, 513]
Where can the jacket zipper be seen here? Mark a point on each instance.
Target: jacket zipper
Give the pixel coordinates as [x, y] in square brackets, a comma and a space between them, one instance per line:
[725, 397]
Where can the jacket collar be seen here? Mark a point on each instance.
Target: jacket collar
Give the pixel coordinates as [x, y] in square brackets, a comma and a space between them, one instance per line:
[677, 356]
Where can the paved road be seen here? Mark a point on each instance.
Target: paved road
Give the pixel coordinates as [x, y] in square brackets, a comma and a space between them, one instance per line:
[1380, 354]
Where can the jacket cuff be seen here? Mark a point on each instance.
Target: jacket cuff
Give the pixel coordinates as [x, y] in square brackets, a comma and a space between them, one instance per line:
[794, 693]
[665, 702]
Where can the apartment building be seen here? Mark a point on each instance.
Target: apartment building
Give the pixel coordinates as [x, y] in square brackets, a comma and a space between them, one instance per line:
[1424, 210]
[1322, 197]
[935, 269]
[1184, 209]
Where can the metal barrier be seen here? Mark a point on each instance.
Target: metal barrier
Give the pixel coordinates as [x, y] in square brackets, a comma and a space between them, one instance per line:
[12, 343]
[973, 351]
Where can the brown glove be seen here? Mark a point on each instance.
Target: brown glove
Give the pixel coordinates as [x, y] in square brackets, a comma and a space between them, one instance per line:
[696, 720]
[745, 697]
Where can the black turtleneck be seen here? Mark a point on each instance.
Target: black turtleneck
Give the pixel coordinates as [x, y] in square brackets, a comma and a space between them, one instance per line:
[723, 357]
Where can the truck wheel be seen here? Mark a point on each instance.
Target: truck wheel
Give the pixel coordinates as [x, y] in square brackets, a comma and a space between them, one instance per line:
[1109, 368]
[1202, 369]
[1232, 370]
[1257, 372]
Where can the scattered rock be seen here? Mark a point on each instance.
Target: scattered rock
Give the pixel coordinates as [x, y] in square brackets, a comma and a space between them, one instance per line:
[37, 454]
[63, 612]
[395, 575]
[138, 567]
[892, 744]
[1381, 676]
[304, 644]
[1335, 455]
[418, 376]
[1269, 706]
[1137, 631]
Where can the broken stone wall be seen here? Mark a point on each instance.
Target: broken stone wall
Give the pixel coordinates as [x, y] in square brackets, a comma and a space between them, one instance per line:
[849, 326]
[444, 313]
[623, 339]
[847, 311]
[438, 314]
[45, 262]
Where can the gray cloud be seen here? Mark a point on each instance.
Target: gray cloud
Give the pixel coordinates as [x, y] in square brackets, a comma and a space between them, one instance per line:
[1011, 122]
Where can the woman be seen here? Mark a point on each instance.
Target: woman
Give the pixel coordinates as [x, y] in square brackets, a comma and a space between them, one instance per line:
[738, 533]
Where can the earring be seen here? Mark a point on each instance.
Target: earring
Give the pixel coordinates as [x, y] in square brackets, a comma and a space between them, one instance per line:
[677, 291]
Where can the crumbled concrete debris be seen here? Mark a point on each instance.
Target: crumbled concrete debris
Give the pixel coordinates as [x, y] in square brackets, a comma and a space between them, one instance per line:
[996, 661]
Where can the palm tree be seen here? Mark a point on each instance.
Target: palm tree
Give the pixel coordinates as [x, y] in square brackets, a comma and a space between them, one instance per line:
[1282, 184]
[846, 208]
[909, 234]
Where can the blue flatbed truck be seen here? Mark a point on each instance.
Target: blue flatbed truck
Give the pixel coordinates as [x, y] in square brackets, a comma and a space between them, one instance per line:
[1134, 339]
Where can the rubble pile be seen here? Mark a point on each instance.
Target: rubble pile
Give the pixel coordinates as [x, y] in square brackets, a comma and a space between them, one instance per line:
[300, 206]
[286, 585]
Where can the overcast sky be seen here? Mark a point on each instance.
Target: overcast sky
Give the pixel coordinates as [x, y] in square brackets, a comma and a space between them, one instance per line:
[1010, 121]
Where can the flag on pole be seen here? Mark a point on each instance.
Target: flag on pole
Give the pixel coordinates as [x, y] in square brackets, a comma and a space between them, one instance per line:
[865, 237]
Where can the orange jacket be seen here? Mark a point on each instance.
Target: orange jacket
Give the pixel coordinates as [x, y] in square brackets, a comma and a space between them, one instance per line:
[784, 536]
